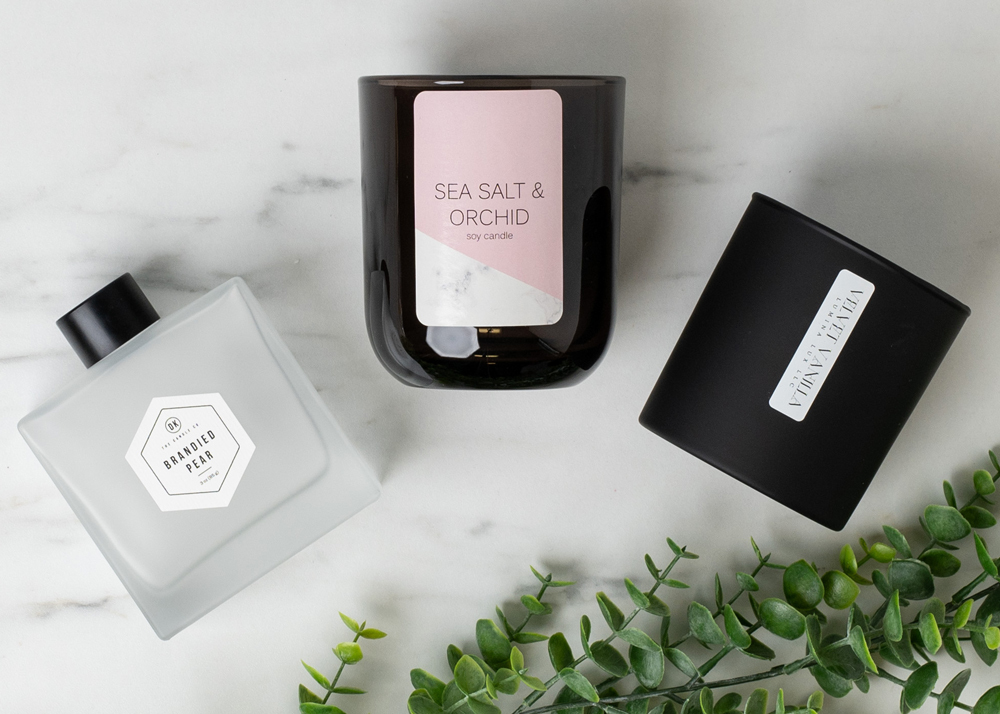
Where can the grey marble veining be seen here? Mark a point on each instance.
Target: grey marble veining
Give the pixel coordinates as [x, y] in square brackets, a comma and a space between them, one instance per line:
[190, 142]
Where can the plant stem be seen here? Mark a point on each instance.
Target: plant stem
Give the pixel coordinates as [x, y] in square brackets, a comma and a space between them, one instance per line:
[681, 689]
[535, 696]
[340, 670]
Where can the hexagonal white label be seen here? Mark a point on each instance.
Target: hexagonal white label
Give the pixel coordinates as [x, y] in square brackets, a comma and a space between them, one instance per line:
[190, 452]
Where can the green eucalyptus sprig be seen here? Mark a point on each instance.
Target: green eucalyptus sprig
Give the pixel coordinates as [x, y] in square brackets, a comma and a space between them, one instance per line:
[349, 653]
[906, 626]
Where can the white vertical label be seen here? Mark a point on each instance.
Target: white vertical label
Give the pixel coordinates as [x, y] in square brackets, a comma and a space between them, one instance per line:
[821, 345]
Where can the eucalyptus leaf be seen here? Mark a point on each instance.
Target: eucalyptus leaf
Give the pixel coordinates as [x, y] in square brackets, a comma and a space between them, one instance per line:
[481, 707]
[639, 598]
[504, 622]
[454, 654]
[946, 524]
[657, 607]
[983, 482]
[534, 683]
[962, 613]
[831, 683]
[881, 583]
[841, 660]
[856, 616]
[543, 579]
[705, 700]
[946, 703]
[469, 676]
[526, 638]
[488, 669]
[957, 685]
[912, 579]
[756, 702]
[848, 561]
[802, 586]
[664, 632]
[984, 557]
[737, 635]
[953, 647]
[507, 681]
[651, 567]
[535, 606]
[815, 701]
[421, 679]
[313, 708]
[585, 635]
[579, 684]
[780, 618]
[814, 636]
[942, 563]
[903, 650]
[681, 661]
[920, 684]
[979, 517]
[638, 706]
[930, 635]
[882, 553]
[681, 552]
[647, 665]
[949, 494]
[351, 623]
[989, 703]
[990, 608]
[307, 695]
[516, 659]
[986, 653]
[892, 623]
[315, 674]
[758, 650]
[992, 637]
[747, 582]
[720, 598]
[493, 644]
[612, 613]
[703, 626]
[560, 653]
[898, 541]
[839, 590]
[609, 659]
[568, 696]
[728, 703]
[638, 638]
[860, 647]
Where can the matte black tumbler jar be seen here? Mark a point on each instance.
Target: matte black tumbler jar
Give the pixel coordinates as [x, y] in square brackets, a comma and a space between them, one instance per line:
[491, 211]
[801, 362]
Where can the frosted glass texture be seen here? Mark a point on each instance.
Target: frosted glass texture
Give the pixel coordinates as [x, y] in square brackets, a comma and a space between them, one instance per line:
[303, 479]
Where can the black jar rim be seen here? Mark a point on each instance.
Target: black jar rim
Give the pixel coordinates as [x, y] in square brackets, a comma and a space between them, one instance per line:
[868, 253]
[485, 81]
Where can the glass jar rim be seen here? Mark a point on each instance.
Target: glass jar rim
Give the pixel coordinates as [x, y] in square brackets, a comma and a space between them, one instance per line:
[512, 81]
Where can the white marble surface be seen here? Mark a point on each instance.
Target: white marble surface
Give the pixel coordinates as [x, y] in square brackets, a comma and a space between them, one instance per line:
[191, 141]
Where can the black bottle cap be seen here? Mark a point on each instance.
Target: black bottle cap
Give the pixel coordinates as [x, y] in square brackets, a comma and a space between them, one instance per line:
[107, 319]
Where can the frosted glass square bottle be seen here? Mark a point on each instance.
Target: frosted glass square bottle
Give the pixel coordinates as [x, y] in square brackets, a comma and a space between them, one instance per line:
[196, 453]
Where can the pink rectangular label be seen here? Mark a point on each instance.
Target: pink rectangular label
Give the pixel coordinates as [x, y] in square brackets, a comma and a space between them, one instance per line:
[488, 208]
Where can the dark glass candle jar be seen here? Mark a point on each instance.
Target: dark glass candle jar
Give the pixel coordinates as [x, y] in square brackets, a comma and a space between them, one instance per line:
[491, 210]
